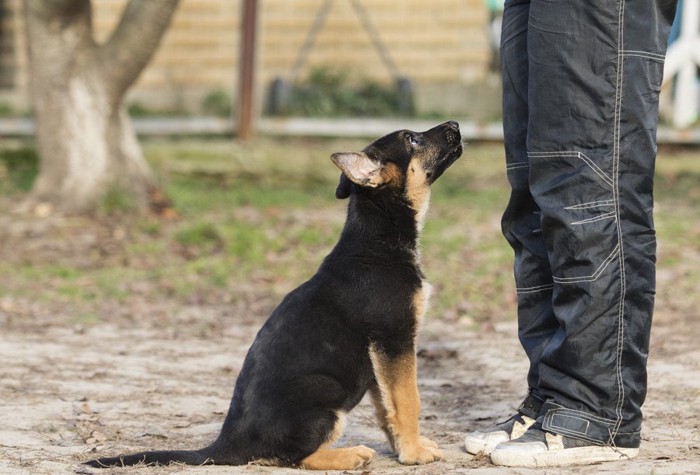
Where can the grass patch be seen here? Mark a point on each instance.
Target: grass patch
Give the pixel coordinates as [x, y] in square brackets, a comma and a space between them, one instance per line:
[200, 235]
[117, 200]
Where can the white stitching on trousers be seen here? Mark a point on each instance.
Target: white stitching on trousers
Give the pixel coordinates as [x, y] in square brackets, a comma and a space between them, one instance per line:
[592, 204]
[644, 54]
[593, 277]
[514, 166]
[616, 197]
[600, 217]
[573, 153]
[532, 290]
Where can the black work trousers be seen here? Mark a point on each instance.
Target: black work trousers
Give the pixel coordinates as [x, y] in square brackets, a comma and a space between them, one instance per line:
[581, 81]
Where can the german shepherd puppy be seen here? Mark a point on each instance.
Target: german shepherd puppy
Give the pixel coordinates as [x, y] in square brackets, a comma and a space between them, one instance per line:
[350, 329]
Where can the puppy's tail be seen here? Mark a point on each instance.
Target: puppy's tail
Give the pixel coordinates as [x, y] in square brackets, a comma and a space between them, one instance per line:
[159, 457]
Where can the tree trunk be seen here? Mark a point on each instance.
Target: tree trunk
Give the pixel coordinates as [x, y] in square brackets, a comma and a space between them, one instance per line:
[86, 143]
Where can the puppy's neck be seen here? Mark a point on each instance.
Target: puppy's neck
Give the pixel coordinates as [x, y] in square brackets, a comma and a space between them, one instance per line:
[389, 218]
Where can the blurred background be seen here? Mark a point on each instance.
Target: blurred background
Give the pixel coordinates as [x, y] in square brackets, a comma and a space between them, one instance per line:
[318, 58]
[191, 140]
[442, 48]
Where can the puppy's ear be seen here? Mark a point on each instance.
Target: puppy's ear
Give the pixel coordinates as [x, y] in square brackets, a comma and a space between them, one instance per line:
[344, 188]
[358, 168]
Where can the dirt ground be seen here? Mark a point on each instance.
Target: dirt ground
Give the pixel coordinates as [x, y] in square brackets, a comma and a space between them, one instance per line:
[70, 391]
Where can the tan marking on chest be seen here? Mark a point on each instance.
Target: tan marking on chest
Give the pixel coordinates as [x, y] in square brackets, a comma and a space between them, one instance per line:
[421, 300]
[418, 191]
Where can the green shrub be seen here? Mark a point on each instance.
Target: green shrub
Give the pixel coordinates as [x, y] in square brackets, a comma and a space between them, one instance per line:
[137, 109]
[21, 166]
[333, 93]
[217, 103]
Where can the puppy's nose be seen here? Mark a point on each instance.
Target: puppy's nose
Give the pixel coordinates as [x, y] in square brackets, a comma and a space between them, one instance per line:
[453, 124]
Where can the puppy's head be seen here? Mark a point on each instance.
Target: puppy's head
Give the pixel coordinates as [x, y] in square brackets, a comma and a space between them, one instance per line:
[405, 163]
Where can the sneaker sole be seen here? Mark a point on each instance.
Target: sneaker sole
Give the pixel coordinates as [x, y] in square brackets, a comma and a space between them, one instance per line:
[557, 458]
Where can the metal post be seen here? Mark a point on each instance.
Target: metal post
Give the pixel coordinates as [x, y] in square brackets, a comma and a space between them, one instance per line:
[247, 65]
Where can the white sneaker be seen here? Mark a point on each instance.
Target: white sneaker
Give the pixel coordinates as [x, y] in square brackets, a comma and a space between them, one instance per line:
[486, 440]
[538, 448]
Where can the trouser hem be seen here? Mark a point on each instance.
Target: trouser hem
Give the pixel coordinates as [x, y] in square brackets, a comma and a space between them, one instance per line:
[585, 426]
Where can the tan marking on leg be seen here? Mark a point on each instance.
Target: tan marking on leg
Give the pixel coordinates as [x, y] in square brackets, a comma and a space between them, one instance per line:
[380, 412]
[396, 380]
[351, 458]
[338, 429]
[382, 417]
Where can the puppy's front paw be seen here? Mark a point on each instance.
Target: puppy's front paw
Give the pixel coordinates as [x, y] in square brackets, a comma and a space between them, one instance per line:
[420, 455]
[425, 442]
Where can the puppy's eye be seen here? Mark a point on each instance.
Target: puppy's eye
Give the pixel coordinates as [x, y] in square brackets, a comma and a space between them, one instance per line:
[413, 140]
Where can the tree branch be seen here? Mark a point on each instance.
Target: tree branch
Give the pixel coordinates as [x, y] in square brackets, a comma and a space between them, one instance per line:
[58, 37]
[57, 8]
[133, 42]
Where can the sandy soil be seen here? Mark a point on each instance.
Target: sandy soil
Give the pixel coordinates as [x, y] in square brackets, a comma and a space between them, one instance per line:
[68, 393]
[155, 373]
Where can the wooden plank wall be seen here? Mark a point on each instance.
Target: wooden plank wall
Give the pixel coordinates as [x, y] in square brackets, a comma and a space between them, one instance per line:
[443, 41]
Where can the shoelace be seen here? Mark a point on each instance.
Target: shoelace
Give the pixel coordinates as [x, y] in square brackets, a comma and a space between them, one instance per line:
[518, 418]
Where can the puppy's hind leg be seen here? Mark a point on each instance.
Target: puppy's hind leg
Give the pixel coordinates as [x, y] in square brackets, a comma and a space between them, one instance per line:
[381, 413]
[351, 458]
[327, 458]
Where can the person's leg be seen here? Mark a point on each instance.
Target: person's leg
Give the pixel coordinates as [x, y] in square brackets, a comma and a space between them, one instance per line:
[521, 219]
[521, 228]
[595, 70]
